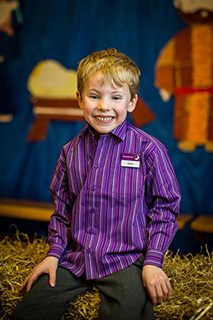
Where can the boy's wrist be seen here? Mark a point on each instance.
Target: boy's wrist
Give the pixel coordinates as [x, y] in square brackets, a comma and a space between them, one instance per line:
[55, 251]
[154, 257]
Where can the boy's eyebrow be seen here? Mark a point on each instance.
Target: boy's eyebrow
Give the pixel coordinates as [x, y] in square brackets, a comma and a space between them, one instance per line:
[119, 90]
[93, 90]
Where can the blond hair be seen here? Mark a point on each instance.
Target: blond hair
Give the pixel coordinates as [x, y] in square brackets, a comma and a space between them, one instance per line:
[115, 66]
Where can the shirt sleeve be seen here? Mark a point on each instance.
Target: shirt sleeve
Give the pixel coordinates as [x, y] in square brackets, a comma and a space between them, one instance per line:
[59, 227]
[163, 200]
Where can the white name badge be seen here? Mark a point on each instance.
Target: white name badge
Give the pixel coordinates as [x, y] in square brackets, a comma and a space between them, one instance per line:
[131, 160]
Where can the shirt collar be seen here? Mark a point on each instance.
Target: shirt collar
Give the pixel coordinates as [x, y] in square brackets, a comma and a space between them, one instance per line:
[119, 131]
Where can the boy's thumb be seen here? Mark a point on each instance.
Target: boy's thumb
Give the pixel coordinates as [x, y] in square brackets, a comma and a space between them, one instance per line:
[52, 284]
[52, 280]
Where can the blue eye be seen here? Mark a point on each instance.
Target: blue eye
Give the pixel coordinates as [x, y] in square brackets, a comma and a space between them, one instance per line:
[93, 96]
[116, 98]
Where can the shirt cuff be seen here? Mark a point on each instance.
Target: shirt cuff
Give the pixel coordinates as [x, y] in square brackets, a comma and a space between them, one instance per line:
[55, 251]
[154, 258]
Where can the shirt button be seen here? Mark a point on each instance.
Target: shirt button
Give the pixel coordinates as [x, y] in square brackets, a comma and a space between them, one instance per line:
[92, 211]
[91, 231]
[87, 250]
[93, 188]
[96, 165]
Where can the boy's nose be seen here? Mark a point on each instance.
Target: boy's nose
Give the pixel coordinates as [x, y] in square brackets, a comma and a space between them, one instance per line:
[103, 105]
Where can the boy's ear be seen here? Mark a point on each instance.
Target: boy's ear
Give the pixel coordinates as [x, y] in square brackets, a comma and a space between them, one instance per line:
[79, 98]
[133, 103]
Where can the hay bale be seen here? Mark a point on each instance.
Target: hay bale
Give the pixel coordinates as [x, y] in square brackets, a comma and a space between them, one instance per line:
[85, 307]
[18, 256]
[191, 278]
[192, 282]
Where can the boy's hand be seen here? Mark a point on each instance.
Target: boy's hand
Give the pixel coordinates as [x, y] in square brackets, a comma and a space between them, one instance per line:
[156, 283]
[49, 265]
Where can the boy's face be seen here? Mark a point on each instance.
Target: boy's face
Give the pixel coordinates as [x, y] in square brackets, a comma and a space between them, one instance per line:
[105, 106]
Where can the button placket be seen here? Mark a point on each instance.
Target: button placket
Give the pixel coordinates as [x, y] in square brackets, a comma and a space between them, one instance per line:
[94, 182]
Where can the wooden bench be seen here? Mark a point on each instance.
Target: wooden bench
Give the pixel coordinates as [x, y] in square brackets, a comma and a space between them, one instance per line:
[183, 219]
[41, 211]
[203, 224]
[26, 209]
[36, 210]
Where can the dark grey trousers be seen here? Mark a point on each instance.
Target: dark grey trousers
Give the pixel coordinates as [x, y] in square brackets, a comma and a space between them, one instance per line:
[123, 296]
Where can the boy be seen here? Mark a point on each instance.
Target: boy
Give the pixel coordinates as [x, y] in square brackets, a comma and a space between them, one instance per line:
[116, 200]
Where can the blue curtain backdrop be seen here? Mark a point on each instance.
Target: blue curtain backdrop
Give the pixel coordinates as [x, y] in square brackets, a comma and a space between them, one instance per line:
[67, 31]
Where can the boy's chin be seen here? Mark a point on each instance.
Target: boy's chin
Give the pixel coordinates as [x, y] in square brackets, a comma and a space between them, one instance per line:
[98, 133]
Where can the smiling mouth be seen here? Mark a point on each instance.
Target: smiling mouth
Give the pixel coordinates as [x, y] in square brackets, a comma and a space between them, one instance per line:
[104, 119]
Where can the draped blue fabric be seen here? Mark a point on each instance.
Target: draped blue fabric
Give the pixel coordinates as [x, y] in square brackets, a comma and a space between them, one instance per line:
[67, 31]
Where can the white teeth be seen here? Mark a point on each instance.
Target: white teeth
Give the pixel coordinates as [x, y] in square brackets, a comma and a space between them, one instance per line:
[104, 119]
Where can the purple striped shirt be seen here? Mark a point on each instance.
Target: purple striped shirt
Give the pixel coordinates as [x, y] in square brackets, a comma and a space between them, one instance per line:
[107, 215]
